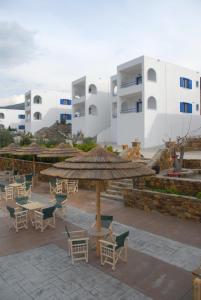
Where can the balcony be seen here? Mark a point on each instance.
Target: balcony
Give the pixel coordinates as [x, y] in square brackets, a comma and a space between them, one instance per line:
[128, 110]
[126, 84]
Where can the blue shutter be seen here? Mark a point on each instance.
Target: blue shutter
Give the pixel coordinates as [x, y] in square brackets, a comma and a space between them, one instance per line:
[68, 102]
[181, 106]
[190, 84]
[69, 117]
[190, 108]
[181, 82]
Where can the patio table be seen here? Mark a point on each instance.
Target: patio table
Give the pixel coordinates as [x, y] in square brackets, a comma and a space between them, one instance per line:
[31, 207]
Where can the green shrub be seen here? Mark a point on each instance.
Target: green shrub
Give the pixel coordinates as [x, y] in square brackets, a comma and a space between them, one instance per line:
[85, 147]
[6, 137]
[198, 195]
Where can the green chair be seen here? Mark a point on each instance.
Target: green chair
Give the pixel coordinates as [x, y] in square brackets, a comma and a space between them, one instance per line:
[21, 200]
[111, 252]
[45, 218]
[18, 218]
[61, 200]
[28, 178]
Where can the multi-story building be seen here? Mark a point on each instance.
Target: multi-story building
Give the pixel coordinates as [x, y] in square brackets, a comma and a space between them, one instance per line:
[44, 108]
[90, 106]
[13, 116]
[152, 101]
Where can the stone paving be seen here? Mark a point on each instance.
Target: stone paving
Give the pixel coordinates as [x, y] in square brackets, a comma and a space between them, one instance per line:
[46, 273]
[167, 250]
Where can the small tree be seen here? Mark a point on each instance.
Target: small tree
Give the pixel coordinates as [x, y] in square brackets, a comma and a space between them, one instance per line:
[6, 137]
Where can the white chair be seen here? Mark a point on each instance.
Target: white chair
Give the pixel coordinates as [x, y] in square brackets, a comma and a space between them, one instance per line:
[9, 193]
[72, 186]
[112, 251]
[78, 245]
[18, 218]
[45, 218]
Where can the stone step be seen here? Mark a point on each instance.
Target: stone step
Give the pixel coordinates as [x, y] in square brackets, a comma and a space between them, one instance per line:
[105, 196]
[120, 185]
[114, 192]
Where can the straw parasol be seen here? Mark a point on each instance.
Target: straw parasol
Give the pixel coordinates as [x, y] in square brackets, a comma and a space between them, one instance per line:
[33, 149]
[98, 164]
[9, 150]
[62, 150]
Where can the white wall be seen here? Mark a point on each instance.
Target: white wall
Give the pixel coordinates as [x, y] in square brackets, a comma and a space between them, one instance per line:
[11, 118]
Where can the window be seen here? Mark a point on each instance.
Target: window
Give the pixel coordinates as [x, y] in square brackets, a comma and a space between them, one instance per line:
[65, 101]
[139, 106]
[21, 127]
[185, 83]
[93, 110]
[65, 117]
[197, 84]
[37, 116]
[185, 107]
[152, 103]
[197, 107]
[151, 75]
[21, 116]
[2, 116]
[92, 89]
[37, 99]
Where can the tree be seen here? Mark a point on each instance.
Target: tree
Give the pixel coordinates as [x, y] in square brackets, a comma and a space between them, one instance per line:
[6, 137]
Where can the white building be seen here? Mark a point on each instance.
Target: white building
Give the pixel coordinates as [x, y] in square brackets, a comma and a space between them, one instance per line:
[44, 108]
[13, 116]
[152, 101]
[91, 106]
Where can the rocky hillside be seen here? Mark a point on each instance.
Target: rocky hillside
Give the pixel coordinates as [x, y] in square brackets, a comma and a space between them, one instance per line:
[57, 130]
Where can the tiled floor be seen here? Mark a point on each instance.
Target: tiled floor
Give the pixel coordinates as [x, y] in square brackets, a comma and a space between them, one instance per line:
[162, 252]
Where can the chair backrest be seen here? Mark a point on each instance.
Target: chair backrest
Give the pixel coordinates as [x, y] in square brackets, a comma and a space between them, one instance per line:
[9, 191]
[11, 211]
[106, 221]
[28, 177]
[59, 199]
[22, 200]
[48, 212]
[120, 239]
[68, 233]
[28, 185]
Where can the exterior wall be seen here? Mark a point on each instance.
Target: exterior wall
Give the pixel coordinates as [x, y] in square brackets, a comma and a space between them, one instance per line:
[91, 124]
[11, 118]
[167, 121]
[50, 109]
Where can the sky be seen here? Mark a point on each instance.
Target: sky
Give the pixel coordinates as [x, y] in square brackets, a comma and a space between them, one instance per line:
[49, 43]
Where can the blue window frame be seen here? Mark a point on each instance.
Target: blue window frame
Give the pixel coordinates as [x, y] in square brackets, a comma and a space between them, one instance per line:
[21, 116]
[65, 117]
[65, 101]
[186, 107]
[185, 83]
[21, 127]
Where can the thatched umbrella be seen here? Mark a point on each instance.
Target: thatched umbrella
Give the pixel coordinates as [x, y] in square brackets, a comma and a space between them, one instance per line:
[33, 149]
[98, 165]
[62, 150]
[9, 150]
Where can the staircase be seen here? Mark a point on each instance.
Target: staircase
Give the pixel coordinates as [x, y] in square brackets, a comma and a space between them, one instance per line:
[115, 189]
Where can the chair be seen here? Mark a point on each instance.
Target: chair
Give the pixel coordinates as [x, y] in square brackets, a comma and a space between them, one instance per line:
[106, 222]
[61, 200]
[19, 179]
[22, 200]
[9, 193]
[18, 218]
[110, 252]
[29, 178]
[77, 245]
[56, 189]
[72, 186]
[45, 218]
[21, 191]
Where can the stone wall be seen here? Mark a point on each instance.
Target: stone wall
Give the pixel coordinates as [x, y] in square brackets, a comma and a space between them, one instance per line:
[182, 185]
[181, 206]
[193, 144]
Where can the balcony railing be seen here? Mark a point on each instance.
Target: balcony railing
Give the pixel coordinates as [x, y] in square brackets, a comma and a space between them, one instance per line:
[125, 84]
[78, 115]
[128, 110]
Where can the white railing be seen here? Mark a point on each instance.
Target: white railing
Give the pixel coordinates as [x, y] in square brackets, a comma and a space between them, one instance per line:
[125, 84]
[128, 110]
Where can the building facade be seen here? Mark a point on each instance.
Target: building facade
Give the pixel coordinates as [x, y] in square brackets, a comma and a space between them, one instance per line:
[153, 101]
[44, 108]
[13, 117]
[90, 106]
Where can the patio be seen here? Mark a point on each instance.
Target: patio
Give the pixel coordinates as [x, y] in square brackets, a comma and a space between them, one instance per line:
[163, 251]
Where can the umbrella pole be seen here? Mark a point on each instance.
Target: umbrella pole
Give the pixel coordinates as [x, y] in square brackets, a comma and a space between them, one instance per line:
[98, 217]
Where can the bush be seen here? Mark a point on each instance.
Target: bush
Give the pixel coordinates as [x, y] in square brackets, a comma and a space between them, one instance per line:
[198, 195]
[85, 147]
[26, 139]
[6, 137]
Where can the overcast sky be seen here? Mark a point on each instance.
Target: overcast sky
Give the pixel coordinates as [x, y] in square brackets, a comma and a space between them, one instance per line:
[49, 43]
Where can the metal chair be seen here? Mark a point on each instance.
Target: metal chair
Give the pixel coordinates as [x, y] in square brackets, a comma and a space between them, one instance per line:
[45, 218]
[111, 252]
[18, 218]
[77, 245]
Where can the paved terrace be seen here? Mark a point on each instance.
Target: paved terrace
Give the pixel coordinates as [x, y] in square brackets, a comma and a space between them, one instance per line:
[163, 251]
